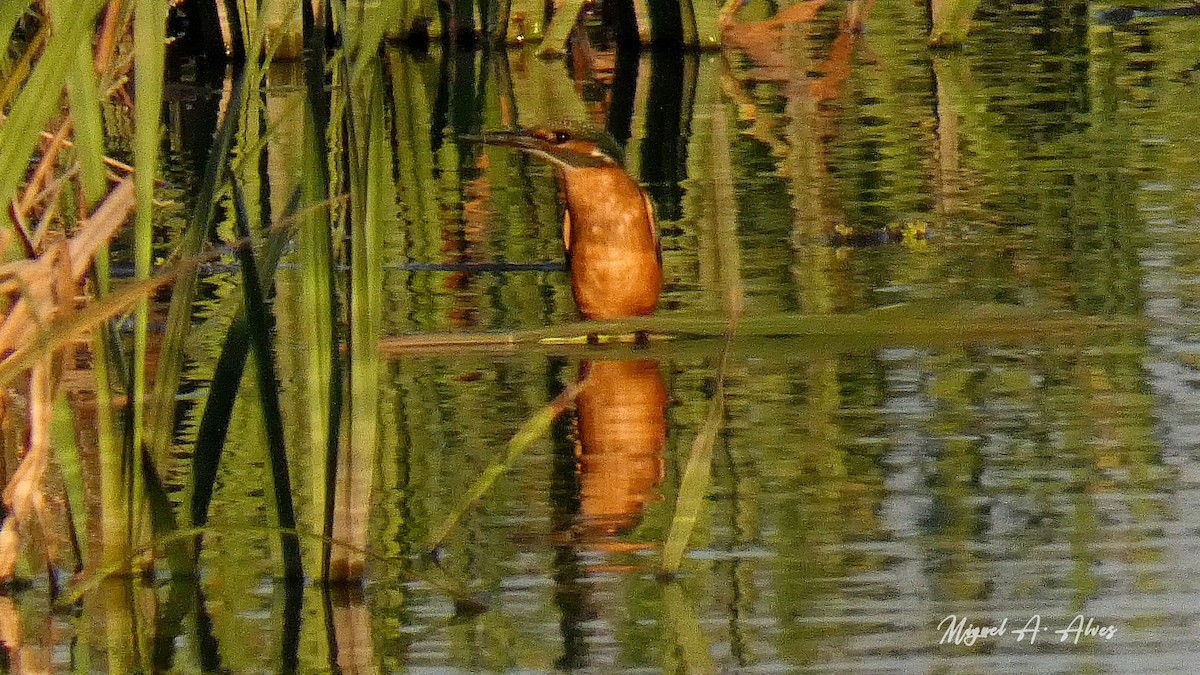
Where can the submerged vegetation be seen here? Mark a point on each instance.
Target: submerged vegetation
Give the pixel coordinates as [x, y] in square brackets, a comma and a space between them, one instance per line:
[288, 306]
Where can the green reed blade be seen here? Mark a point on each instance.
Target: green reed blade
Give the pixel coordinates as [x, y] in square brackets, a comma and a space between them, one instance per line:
[149, 34]
[375, 19]
[66, 454]
[686, 649]
[373, 200]
[565, 17]
[321, 372]
[160, 416]
[224, 385]
[10, 13]
[247, 14]
[214, 423]
[259, 324]
[31, 110]
[693, 487]
[337, 10]
[687, 20]
[20, 70]
[116, 545]
[535, 427]
[84, 98]
[222, 393]
[116, 596]
[722, 217]
[162, 518]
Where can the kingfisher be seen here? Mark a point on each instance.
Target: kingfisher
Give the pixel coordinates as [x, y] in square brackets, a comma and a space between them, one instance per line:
[612, 246]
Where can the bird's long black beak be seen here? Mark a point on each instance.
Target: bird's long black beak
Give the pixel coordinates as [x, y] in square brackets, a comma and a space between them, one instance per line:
[512, 139]
[558, 148]
[521, 141]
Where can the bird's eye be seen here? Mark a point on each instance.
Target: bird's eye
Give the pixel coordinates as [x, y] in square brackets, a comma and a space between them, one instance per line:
[561, 137]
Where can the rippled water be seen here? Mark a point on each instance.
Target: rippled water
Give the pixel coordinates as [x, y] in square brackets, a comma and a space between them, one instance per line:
[860, 497]
[863, 491]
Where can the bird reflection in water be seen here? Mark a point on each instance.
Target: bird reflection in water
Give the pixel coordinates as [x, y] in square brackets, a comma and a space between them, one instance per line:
[621, 430]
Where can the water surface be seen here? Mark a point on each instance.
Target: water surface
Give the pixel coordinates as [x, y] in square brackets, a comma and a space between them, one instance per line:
[862, 492]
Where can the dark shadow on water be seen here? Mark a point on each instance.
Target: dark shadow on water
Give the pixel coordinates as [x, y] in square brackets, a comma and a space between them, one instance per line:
[292, 602]
[668, 125]
[570, 593]
[207, 646]
[181, 600]
[623, 95]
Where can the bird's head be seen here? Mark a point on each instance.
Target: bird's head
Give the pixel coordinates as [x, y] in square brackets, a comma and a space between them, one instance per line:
[564, 148]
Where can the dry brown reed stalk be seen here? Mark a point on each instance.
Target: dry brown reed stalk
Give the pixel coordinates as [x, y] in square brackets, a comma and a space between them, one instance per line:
[42, 291]
[106, 44]
[22, 67]
[111, 163]
[46, 165]
[352, 631]
[24, 655]
[37, 303]
[24, 497]
[10, 625]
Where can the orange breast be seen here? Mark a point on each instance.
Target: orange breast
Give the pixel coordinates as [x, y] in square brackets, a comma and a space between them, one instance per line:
[616, 268]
